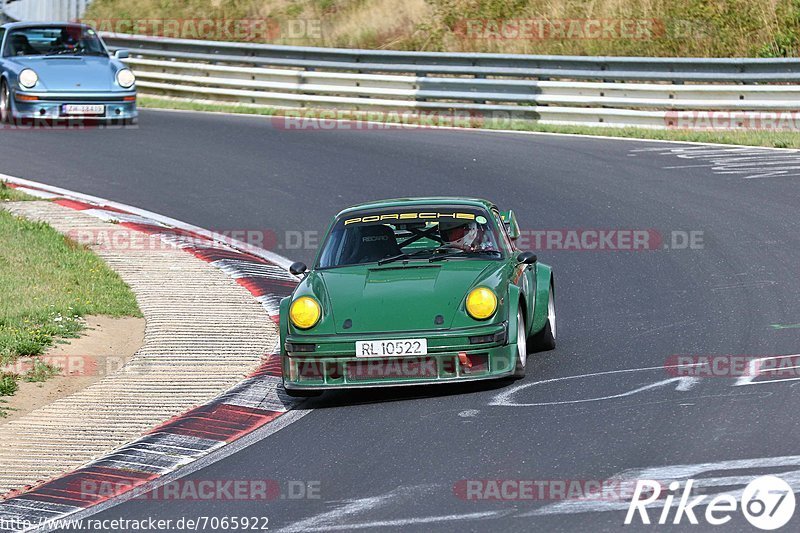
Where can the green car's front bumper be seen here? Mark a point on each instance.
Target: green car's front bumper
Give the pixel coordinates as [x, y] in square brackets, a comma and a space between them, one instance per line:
[329, 361]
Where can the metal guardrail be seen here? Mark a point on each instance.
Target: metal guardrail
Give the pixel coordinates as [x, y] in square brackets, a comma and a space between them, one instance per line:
[553, 89]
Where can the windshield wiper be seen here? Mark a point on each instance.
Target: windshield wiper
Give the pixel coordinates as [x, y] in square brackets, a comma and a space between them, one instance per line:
[398, 257]
[464, 253]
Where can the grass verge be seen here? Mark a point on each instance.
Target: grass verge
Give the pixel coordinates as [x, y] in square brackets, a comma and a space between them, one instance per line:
[672, 28]
[770, 139]
[9, 194]
[48, 282]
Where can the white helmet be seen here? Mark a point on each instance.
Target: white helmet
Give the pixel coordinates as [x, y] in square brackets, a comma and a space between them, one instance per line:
[460, 233]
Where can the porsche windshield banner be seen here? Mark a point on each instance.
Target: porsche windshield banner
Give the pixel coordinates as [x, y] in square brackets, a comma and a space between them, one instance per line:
[419, 215]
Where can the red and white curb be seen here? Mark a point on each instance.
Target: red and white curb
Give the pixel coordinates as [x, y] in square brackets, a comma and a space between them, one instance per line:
[249, 406]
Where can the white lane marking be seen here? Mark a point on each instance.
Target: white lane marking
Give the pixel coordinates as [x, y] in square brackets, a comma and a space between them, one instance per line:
[38, 194]
[469, 413]
[226, 449]
[609, 499]
[161, 219]
[215, 456]
[114, 216]
[684, 383]
[514, 132]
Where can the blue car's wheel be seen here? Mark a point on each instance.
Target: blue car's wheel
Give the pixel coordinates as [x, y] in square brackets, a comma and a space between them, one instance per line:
[5, 103]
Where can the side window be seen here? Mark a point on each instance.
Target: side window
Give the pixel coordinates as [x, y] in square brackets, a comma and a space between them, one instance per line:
[2, 48]
[506, 239]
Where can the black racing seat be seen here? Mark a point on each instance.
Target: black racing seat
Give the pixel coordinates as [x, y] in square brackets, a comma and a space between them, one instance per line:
[20, 46]
[372, 243]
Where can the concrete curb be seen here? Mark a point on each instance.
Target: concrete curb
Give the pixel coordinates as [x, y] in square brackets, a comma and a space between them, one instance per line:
[241, 409]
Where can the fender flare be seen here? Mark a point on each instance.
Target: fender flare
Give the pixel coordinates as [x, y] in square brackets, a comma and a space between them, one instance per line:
[544, 280]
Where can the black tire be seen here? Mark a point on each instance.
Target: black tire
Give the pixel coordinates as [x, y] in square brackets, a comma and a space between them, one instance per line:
[545, 339]
[296, 393]
[522, 351]
[5, 96]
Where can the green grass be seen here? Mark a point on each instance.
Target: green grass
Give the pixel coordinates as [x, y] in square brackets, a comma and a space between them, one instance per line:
[8, 384]
[9, 194]
[48, 283]
[40, 372]
[748, 138]
[688, 28]
[153, 102]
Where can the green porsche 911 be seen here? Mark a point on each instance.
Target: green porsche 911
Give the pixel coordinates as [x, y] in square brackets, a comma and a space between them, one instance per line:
[416, 291]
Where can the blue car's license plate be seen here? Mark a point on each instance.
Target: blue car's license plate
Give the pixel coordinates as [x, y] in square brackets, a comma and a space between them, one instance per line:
[83, 109]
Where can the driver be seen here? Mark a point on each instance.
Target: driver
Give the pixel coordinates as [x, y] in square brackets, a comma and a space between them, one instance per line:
[466, 235]
[68, 40]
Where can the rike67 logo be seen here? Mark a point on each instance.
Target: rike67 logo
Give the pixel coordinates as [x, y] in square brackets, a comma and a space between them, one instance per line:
[767, 503]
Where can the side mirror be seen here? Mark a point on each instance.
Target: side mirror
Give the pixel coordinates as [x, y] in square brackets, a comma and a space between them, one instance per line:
[122, 54]
[527, 258]
[298, 268]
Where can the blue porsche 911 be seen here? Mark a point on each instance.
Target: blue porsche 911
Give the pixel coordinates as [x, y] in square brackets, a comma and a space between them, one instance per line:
[62, 71]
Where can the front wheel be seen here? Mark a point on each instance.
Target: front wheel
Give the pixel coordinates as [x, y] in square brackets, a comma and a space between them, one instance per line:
[522, 346]
[546, 338]
[5, 103]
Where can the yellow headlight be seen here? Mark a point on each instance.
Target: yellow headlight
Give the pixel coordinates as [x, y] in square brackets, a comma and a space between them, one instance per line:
[304, 312]
[481, 303]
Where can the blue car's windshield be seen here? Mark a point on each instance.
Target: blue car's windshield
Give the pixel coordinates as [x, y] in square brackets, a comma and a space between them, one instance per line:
[53, 41]
[429, 233]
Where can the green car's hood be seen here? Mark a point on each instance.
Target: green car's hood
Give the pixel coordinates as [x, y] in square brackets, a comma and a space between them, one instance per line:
[397, 297]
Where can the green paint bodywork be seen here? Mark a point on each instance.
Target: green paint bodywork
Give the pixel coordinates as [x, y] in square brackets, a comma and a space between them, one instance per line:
[402, 300]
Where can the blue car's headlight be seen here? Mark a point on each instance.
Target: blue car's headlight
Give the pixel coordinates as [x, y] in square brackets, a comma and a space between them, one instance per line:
[28, 78]
[125, 78]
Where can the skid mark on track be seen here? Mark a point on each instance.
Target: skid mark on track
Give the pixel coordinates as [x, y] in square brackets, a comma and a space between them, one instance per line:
[337, 518]
[746, 163]
[400, 522]
[729, 477]
[767, 370]
[681, 383]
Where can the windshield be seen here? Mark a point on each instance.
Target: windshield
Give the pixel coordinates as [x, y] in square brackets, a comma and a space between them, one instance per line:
[53, 41]
[420, 233]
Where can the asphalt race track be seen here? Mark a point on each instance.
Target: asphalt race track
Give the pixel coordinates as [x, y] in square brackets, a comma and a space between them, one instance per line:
[396, 458]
